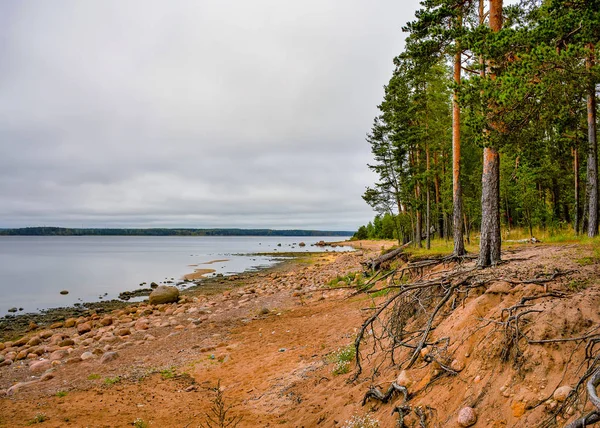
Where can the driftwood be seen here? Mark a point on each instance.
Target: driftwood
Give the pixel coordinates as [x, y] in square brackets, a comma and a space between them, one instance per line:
[374, 264]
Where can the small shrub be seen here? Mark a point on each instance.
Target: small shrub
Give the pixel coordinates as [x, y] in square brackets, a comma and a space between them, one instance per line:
[140, 423]
[342, 359]
[38, 419]
[168, 373]
[366, 421]
[61, 394]
[112, 380]
[219, 416]
[93, 376]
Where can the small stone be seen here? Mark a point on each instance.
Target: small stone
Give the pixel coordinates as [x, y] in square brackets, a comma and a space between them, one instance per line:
[34, 341]
[404, 379]
[47, 375]
[66, 342]
[40, 366]
[282, 349]
[87, 355]
[562, 393]
[457, 365]
[59, 354]
[106, 321]
[70, 322]
[123, 332]
[58, 324]
[64, 292]
[108, 356]
[84, 327]
[190, 388]
[73, 360]
[518, 408]
[467, 417]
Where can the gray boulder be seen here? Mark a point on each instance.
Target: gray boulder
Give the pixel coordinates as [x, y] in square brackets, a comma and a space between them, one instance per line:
[164, 294]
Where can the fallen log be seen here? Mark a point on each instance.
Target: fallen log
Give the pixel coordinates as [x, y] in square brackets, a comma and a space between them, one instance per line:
[374, 264]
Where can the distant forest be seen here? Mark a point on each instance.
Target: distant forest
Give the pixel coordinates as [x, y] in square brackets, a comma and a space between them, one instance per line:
[61, 231]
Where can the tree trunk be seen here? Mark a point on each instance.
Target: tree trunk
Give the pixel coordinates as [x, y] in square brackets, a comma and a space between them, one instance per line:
[457, 230]
[576, 175]
[490, 244]
[489, 251]
[592, 168]
[436, 184]
[428, 208]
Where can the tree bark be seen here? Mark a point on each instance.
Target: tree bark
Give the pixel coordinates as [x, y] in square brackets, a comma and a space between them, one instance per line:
[592, 168]
[457, 230]
[576, 176]
[489, 250]
[490, 244]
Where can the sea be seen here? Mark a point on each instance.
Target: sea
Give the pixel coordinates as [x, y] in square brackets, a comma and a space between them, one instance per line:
[35, 269]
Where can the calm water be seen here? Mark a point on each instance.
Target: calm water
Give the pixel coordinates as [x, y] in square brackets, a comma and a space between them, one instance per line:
[34, 269]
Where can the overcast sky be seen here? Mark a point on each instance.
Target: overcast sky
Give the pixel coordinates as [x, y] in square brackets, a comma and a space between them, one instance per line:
[195, 113]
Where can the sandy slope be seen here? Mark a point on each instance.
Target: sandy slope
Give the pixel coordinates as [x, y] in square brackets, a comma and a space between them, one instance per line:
[270, 343]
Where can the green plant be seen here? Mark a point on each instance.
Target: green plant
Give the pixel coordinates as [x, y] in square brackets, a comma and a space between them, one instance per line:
[140, 423]
[218, 415]
[61, 394]
[93, 376]
[342, 358]
[38, 419]
[112, 380]
[366, 421]
[168, 373]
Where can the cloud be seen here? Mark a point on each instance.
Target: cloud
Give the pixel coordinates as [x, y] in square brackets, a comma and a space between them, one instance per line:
[191, 114]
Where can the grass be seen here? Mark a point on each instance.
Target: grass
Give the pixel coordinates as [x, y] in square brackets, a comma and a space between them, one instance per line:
[93, 376]
[61, 394]
[112, 380]
[169, 373]
[347, 280]
[38, 419]
[342, 359]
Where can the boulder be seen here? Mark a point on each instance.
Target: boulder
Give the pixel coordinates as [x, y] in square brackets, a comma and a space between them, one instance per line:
[164, 294]
[58, 354]
[467, 417]
[87, 355]
[70, 322]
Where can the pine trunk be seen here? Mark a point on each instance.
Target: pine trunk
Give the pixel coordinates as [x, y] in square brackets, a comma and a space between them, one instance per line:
[489, 251]
[490, 244]
[457, 230]
[592, 167]
[576, 175]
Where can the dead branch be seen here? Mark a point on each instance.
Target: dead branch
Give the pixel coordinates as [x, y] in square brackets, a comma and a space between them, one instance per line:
[374, 264]
[594, 416]
[375, 392]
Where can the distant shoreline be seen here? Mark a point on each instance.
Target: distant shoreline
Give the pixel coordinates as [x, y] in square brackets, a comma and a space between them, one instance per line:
[62, 231]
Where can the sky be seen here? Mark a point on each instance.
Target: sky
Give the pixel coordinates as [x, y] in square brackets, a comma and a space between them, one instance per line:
[199, 113]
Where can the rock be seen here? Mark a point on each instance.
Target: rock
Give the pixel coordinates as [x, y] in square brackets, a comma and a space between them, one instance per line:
[73, 360]
[47, 375]
[108, 356]
[64, 292]
[70, 322]
[302, 244]
[106, 321]
[58, 324]
[153, 285]
[40, 366]
[142, 324]
[34, 341]
[87, 356]
[21, 355]
[15, 388]
[59, 354]
[562, 393]
[45, 334]
[66, 342]
[32, 326]
[500, 287]
[84, 327]
[164, 294]
[22, 341]
[6, 362]
[457, 365]
[518, 408]
[2, 358]
[404, 379]
[12, 310]
[467, 417]
[123, 332]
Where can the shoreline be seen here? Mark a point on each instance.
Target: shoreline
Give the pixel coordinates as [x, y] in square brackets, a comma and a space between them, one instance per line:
[17, 325]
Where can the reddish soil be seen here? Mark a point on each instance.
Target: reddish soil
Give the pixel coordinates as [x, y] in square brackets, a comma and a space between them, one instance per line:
[271, 343]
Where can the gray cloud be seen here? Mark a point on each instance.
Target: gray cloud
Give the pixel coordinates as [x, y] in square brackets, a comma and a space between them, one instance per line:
[191, 113]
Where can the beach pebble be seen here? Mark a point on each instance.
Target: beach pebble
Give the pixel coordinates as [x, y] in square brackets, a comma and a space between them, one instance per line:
[106, 321]
[66, 342]
[40, 366]
[87, 355]
[108, 356]
[467, 417]
[64, 292]
[58, 354]
[562, 393]
[84, 327]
